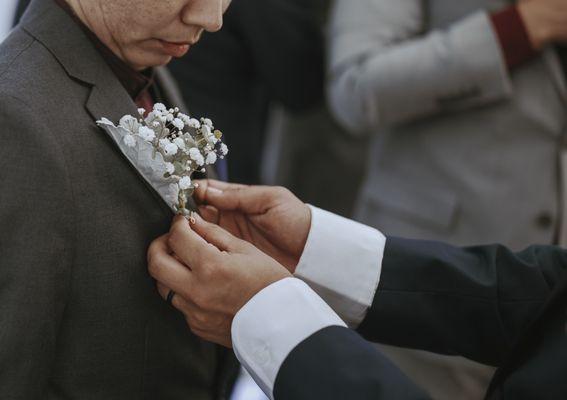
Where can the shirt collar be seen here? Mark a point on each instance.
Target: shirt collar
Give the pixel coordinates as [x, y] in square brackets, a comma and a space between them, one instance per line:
[135, 82]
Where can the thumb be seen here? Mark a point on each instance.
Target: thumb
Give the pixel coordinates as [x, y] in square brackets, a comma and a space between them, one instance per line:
[216, 235]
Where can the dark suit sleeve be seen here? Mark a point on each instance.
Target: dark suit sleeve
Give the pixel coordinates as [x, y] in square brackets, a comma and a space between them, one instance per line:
[35, 250]
[336, 363]
[286, 42]
[473, 302]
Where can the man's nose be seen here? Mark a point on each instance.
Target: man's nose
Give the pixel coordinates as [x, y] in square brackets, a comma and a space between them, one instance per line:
[204, 13]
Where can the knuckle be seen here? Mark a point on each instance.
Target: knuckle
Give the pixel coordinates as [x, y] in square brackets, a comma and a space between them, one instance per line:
[198, 297]
[153, 267]
[187, 293]
[152, 251]
[281, 191]
[202, 319]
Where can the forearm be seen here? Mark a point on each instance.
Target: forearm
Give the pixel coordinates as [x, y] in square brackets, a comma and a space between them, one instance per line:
[402, 77]
[473, 302]
[303, 340]
[336, 363]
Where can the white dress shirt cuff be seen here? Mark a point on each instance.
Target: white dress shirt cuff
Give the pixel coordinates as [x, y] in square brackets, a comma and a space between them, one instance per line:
[273, 323]
[342, 262]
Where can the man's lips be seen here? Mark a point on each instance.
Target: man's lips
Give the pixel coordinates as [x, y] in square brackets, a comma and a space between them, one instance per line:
[174, 49]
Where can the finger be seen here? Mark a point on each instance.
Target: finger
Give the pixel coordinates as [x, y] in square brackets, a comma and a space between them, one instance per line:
[209, 214]
[219, 237]
[188, 245]
[245, 199]
[203, 185]
[164, 268]
[177, 301]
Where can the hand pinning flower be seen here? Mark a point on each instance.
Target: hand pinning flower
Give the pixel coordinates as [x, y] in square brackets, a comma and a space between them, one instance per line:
[181, 145]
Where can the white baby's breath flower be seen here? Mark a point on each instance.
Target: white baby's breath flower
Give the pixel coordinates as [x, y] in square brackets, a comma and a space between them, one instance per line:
[179, 153]
[178, 123]
[171, 149]
[146, 133]
[160, 107]
[129, 123]
[179, 142]
[153, 116]
[185, 183]
[206, 130]
[211, 158]
[130, 140]
[169, 167]
[193, 123]
[196, 156]
[184, 117]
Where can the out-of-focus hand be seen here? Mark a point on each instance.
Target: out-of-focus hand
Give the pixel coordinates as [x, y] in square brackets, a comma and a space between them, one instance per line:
[212, 273]
[545, 20]
[271, 218]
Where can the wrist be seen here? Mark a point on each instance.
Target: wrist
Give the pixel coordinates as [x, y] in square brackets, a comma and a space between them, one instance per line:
[276, 275]
[537, 26]
[513, 37]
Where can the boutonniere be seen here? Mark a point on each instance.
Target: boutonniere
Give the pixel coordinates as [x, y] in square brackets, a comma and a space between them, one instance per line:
[167, 147]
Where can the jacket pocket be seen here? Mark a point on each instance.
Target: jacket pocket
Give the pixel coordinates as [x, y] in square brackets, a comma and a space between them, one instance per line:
[424, 206]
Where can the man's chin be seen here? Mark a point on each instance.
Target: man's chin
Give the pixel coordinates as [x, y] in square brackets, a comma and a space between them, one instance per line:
[153, 60]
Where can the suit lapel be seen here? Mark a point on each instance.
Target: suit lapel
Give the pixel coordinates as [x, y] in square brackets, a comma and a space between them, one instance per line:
[56, 30]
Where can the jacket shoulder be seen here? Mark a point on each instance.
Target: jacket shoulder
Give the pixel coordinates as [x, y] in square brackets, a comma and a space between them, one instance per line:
[27, 68]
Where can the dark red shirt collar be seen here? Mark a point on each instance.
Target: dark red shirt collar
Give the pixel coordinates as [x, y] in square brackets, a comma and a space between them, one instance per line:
[135, 82]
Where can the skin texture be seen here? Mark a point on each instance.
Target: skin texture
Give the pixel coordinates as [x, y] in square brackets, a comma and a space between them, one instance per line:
[240, 246]
[270, 218]
[213, 274]
[545, 21]
[132, 29]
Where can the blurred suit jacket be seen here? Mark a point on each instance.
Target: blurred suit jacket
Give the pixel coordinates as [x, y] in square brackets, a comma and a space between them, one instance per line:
[80, 316]
[463, 150]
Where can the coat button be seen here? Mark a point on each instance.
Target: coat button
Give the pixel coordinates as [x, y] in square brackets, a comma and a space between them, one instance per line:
[544, 220]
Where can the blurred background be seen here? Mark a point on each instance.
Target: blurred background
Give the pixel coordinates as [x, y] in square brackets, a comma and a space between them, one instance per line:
[426, 119]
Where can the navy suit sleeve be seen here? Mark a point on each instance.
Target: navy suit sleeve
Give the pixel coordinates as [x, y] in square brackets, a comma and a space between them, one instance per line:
[335, 364]
[473, 302]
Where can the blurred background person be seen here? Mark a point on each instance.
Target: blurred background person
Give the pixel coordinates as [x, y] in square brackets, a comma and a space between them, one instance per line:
[465, 105]
[268, 51]
[311, 154]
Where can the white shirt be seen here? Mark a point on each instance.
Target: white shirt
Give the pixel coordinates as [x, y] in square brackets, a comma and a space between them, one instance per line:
[334, 284]
[7, 15]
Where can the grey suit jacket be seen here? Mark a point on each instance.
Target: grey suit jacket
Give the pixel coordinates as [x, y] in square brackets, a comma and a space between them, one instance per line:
[464, 151]
[80, 317]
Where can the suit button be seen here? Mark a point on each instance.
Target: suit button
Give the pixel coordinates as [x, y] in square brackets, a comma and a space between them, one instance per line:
[544, 220]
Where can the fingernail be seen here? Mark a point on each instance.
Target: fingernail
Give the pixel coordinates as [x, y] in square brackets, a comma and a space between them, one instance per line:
[192, 219]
